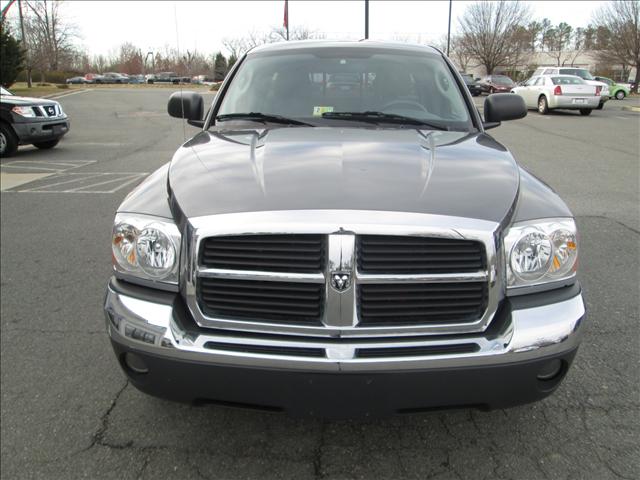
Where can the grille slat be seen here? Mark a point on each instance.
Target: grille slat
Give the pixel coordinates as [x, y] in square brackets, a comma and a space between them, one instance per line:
[396, 255]
[257, 300]
[296, 253]
[421, 303]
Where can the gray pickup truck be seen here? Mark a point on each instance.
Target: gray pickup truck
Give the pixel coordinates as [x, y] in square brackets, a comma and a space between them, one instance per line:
[344, 252]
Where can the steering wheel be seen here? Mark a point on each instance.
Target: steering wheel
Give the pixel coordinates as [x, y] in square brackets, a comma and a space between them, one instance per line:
[408, 103]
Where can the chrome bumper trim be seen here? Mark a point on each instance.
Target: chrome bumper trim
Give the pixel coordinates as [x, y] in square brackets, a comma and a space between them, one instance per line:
[532, 333]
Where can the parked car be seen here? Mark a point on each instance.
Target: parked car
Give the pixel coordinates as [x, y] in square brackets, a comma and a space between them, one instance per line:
[335, 255]
[472, 85]
[203, 80]
[167, 77]
[616, 90]
[580, 72]
[136, 79]
[564, 92]
[29, 121]
[113, 77]
[93, 78]
[77, 80]
[496, 84]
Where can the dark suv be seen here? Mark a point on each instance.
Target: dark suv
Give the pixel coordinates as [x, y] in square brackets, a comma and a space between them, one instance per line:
[25, 120]
[344, 252]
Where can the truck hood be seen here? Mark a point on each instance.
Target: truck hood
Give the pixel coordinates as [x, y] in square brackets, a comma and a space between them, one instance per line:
[445, 173]
[16, 100]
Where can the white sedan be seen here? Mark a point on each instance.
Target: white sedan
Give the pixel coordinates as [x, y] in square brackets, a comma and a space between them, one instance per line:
[566, 92]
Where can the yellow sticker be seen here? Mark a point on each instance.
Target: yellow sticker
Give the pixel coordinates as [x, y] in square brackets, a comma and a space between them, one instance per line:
[318, 111]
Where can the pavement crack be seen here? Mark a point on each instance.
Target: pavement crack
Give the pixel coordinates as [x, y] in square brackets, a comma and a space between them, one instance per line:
[98, 436]
[317, 454]
[602, 217]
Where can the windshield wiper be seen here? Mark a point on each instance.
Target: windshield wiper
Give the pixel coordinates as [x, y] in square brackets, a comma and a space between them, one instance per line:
[377, 117]
[262, 117]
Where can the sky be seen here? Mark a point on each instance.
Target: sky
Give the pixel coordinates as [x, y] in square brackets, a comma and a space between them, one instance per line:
[201, 26]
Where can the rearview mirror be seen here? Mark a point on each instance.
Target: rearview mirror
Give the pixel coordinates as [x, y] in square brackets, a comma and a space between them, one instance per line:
[187, 105]
[501, 107]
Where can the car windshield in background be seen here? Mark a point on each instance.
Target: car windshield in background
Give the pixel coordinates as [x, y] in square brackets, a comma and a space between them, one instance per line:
[584, 74]
[305, 84]
[502, 80]
[567, 81]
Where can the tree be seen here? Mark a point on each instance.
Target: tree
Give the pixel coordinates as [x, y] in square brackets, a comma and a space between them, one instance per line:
[11, 57]
[558, 40]
[219, 67]
[51, 37]
[622, 21]
[232, 61]
[459, 53]
[130, 59]
[487, 30]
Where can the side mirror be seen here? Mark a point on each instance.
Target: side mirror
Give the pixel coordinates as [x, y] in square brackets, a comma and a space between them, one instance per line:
[188, 105]
[501, 107]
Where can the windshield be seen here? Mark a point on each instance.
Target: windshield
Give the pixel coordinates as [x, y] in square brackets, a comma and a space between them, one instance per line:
[305, 84]
[5, 92]
[584, 74]
[567, 81]
[502, 80]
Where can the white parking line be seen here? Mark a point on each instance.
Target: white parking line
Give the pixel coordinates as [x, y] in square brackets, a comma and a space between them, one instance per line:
[95, 179]
[68, 94]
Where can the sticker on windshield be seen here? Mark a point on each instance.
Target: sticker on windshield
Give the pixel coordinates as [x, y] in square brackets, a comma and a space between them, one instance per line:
[319, 110]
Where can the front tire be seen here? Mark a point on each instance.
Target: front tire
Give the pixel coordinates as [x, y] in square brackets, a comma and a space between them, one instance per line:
[8, 142]
[543, 106]
[620, 95]
[585, 111]
[47, 145]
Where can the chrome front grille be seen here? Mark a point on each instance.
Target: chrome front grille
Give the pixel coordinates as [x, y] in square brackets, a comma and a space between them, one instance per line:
[342, 273]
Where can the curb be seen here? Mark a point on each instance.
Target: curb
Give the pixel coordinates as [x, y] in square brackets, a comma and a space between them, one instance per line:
[631, 109]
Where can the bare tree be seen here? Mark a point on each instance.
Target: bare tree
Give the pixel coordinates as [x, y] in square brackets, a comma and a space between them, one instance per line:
[487, 31]
[297, 33]
[460, 55]
[622, 21]
[50, 36]
[240, 45]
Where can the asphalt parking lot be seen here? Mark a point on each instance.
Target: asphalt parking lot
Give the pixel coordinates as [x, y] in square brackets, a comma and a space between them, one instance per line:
[67, 411]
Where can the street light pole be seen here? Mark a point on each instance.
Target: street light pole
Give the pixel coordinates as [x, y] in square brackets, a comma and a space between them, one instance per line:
[449, 29]
[366, 19]
[24, 44]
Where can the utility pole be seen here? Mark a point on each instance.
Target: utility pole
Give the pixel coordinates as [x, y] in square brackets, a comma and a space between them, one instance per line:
[24, 44]
[449, 29]
[366, 19]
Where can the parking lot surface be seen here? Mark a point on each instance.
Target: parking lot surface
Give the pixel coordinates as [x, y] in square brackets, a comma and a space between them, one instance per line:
[67, 411]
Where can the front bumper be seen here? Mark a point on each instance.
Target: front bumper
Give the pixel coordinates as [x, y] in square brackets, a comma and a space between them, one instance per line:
[524, 339]
[29, 132]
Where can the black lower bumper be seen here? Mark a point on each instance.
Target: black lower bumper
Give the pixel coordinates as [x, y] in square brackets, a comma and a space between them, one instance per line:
[345, 395]
[36, 132]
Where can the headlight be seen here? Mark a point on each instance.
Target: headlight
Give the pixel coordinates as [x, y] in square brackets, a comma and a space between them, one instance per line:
[541, 252]
[24, 111]
[145, 248]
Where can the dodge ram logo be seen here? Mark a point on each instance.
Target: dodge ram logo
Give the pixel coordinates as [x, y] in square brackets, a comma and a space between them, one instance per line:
[340, 280]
